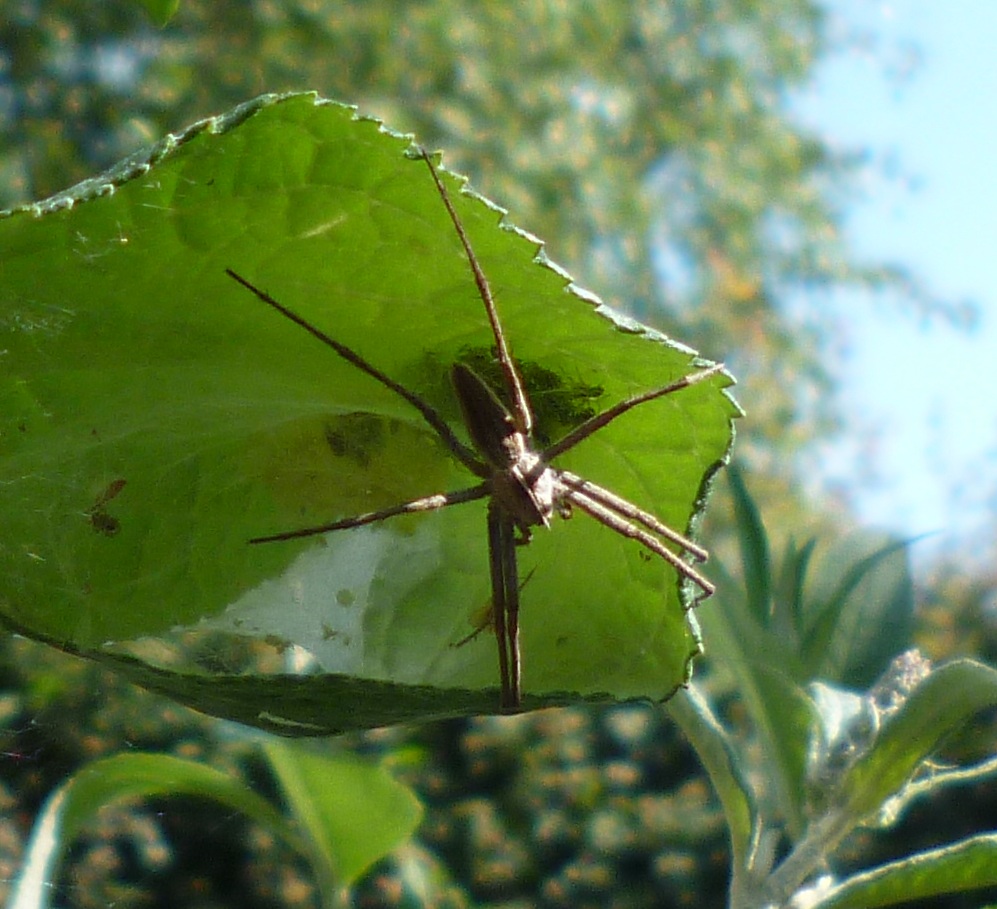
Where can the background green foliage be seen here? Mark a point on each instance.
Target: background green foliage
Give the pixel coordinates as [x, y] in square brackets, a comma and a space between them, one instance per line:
[604, 126]
[650, 144]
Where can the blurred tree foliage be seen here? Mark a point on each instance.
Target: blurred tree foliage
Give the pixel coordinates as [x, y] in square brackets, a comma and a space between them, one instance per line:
[651, 142]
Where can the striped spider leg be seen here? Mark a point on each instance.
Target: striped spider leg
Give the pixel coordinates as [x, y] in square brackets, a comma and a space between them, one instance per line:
[524, 490]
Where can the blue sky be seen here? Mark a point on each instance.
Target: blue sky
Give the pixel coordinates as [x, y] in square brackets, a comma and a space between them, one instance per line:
[919, 394]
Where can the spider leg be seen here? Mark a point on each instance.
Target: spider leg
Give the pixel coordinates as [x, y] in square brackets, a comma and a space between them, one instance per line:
[629, 510]
[498, 597]
[611, 519]
[463, 454]
[607, 416]
[510, 569]
[514, 384]
[428, 503]
[505, 603]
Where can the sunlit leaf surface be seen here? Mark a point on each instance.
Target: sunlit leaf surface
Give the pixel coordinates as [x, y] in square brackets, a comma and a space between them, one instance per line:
[154, 416]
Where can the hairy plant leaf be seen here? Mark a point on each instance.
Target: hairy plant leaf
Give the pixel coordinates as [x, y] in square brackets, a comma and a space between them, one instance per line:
[966, 865]
[859, 611]
[940, 705]
[155, 416]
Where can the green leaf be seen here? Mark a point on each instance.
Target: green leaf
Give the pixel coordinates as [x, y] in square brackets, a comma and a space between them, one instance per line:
[946, 699]
[762, 661]
[966, 865]
[859, 612]
[788, 600]
[161, 11]
[154, 416]
[77, 800]
[352, 813]
[296, 705]
[762, 669]
[753, 539]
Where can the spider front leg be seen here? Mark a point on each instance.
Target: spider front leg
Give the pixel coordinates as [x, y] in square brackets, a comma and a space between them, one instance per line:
[628, 510]
[624, 517]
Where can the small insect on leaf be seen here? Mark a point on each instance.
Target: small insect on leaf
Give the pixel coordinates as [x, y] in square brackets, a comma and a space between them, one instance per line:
[483, 617]
[97, 515]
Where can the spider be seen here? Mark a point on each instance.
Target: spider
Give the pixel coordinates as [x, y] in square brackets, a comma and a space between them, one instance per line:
[523, 487]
